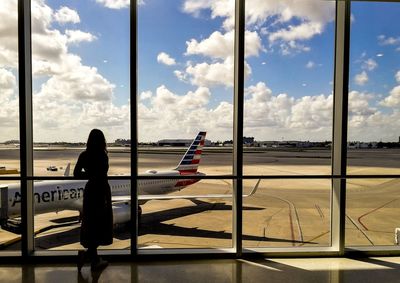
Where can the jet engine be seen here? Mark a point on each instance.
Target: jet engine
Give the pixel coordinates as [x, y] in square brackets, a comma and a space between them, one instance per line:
[121, 213]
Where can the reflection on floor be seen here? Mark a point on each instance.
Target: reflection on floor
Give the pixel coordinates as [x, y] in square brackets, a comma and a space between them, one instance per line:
[383, 269]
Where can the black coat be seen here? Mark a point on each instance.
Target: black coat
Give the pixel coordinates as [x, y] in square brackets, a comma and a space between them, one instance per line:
[97, 217]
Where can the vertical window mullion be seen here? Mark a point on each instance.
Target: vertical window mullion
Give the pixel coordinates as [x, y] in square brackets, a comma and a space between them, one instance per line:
[25, 123]
[340, 111]
[238, 126]
[134, 124]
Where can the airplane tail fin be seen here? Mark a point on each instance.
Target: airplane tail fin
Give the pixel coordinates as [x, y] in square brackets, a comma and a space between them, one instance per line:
[67, 169]
[191, 159]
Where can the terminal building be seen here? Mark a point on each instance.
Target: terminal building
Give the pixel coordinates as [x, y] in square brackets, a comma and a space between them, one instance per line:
[179, 142]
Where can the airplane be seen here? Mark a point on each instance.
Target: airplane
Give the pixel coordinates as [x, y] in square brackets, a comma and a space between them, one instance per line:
[54, 196]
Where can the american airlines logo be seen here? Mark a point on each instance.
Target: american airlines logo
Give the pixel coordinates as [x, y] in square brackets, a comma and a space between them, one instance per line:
[53, 195]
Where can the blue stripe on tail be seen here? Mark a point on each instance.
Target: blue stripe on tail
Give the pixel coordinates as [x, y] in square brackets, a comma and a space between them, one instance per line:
[190, 154]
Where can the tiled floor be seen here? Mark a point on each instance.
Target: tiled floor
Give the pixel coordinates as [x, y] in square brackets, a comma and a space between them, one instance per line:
[382, 270]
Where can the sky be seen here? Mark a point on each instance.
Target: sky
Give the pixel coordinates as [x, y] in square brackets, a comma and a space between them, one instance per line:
[185, 69]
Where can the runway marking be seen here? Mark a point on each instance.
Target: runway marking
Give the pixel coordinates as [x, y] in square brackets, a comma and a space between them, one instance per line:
[292, 207]
[316, 237]
[359, 229]
[267, 222]
[291, 226]
[375, 209]
[318, 208]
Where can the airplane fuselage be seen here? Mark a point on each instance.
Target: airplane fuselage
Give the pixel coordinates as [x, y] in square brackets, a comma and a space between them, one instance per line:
[50, 196]
[53, 196]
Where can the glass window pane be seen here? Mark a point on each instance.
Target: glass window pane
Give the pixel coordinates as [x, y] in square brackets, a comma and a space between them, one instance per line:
[287, 213]
[10, 215]
[10, 209]
[184, 220]
[58, 207]
[13, 274]
[185, 80]
[9, 107]
[185, 120]
[372, 208]
[374, 91]
[288, 87]
[80, 81]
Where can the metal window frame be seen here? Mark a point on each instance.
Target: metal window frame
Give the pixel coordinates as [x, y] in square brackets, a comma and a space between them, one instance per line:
[238, 111]
[339, 151]
[26, 124]
[339, 129]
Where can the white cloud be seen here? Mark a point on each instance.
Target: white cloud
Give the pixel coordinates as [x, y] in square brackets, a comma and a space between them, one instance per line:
[77, 36]
[164, 58]
[312, 112]
[66, 15]
[116, 4]
[393, 100]
[8, 34]
[195, 6]
[369, 64]
[172, 115]
[383, 40]
[267, 116]
[258, 11]
[180, 75]
[303, 31]
[7, 80]
[359, 104]
[219, 45]
[82, 83]
[310, 65]
[270, 116]
[73, 97]
[312, 17]
[145, 95]
[361, 79]
[259, 92]
[9, 105]
[67, 100]
[214, 74]
[222, 8]
[291, 47]
[209, 75]
[397, 76]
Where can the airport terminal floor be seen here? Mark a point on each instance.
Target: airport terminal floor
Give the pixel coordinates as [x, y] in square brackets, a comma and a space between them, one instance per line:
[293, 270]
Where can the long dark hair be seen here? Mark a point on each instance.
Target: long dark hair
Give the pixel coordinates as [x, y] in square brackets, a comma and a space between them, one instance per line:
[96, 141]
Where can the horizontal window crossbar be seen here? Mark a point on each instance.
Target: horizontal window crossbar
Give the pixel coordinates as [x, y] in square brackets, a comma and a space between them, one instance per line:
[211, 177]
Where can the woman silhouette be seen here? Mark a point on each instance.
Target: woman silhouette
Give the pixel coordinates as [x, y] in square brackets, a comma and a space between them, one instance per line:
[97, 217]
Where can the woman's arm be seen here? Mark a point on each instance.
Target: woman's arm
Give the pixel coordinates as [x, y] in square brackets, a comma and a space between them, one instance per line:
[78, 170]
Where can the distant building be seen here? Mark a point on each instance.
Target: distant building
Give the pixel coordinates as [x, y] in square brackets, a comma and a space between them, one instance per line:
[292, 144]
[361, 145]
[248, 140]
[179, 142]
[122, 142]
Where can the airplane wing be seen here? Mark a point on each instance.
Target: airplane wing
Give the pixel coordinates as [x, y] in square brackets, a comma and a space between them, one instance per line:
[169, 197]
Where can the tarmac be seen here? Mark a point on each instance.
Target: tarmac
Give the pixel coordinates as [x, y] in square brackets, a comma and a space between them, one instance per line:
[282, 213]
